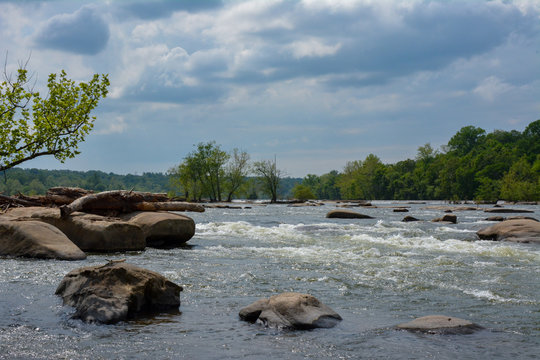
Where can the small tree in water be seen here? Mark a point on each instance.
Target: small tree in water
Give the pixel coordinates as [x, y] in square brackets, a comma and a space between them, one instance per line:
[270, 177]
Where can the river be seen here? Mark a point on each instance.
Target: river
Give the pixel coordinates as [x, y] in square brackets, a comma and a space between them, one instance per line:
[375, 273]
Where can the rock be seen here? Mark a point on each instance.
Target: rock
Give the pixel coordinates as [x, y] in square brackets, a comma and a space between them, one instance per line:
[440, 324]
[346, 214]
[92, 233]
[162, 229]
[516, 230]
[450, 218]
[506, 210]
[117, 291]
[495, 218]
[409, 218]
[400, 210]
[521, 217]
[291, 311]
[36, 239]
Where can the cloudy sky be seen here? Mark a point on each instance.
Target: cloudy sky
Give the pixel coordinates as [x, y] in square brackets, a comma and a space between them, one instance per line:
[315, 83]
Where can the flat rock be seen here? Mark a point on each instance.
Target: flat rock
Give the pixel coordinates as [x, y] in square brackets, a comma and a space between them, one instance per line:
[92, 233]
[291, 311]
[400, 210]
[440, 324]
[162, 229]
[409, 219]
[516, 230]
[502, 210]
[36, 239]
[117, 291]
[448, 218]
[346, 214]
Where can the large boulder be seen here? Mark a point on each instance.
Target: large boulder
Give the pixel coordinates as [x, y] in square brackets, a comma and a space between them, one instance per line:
[291, 311]
[36, 239]
[92, 233]
[346, 214]
[448, 218]
[117, 291]
[516, 230]
[440, 324]
[162, 229]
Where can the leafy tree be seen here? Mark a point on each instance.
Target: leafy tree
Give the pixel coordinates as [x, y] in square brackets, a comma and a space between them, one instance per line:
[521, 182]
[302, 192]
[32, 126]
[466, 139]
[270, 176]
[236, 172]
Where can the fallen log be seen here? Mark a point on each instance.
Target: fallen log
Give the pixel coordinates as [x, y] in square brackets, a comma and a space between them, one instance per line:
[122, 201]
[10, 201]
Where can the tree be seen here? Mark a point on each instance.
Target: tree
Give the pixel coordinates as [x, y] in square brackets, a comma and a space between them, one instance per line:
[32, 126]
[302, 192]
[466, 139]
[270, 177]
[236, 171]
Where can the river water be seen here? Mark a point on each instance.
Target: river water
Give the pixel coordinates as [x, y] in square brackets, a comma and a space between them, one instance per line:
[375, 273]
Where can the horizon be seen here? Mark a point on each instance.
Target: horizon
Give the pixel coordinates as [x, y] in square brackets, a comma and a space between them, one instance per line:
[314, 83]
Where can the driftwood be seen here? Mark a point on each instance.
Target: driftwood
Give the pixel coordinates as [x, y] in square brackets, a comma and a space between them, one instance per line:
[16, 201]
[122, 201]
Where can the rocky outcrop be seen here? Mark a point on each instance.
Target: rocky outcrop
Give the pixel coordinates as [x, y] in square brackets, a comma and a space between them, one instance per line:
[346, 214]
[516, 230]
[36, 239]
[117, 291]
[291, 311]
[448, 218]
[162, 229]
[92, 233]
[440, 324]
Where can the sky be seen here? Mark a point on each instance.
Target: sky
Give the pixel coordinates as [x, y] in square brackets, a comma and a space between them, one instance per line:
[313, 83]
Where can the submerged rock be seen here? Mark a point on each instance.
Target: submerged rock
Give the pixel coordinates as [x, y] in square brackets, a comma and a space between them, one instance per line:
[346, 214]
[93, 233]
[400, 210]
[291, 311]
[516, 230]
[163, 229]
[440, 324]
[36, 239]
[117, 291]
[409, 218]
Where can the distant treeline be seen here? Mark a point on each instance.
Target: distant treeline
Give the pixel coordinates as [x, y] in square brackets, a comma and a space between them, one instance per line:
[37, 181]
[501, 165]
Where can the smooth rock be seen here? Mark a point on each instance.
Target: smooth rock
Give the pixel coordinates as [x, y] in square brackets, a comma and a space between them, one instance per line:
[495, 218]
[506, 210]
[400, 210]
[440, 324]
[291, 311]
[36, 239]
[92, 233]
[409, 219]
[516, 230]
[449, 218]
[162, 229]
[117, 291]
[346, 214]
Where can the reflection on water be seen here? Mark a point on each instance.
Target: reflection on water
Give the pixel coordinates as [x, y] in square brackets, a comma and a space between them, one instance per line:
[375, 273]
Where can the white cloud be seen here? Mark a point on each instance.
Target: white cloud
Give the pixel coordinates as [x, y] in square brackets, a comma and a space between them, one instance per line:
[117, 125]
[492, 87]
[313, 48]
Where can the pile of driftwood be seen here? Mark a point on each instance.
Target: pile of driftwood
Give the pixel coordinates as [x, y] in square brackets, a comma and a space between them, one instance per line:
[109, 203]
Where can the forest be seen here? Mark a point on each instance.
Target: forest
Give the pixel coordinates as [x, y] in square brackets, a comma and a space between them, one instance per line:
[473, 165]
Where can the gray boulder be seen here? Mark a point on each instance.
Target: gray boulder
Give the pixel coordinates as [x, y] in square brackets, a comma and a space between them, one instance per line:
[36, 239]
[346, 214]
[516, 230]
[291, 311]
[440, 324]
[409, 219]
[117, 291]
[162, 229]
[93, 233]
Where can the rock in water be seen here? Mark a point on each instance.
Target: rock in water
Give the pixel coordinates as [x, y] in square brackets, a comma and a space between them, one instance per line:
[516, 230]
[162, 229]
[117, 291]
[346, 214]
[291, 311]
[448, 218]
[440, 324]
[36, 239]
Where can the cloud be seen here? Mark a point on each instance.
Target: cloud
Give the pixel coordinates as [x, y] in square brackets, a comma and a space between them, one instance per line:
[490, 88]
[82, 32]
